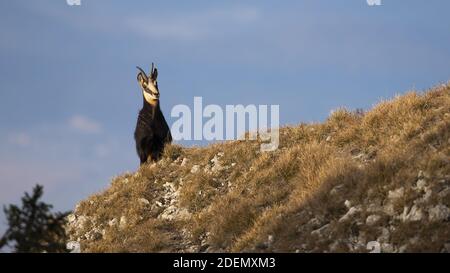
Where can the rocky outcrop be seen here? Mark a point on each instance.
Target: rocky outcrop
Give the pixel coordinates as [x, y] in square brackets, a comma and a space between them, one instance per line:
[426, 205]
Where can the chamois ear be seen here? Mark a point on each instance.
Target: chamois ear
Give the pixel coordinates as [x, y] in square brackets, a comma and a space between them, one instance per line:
[155, 74]
[141, 77]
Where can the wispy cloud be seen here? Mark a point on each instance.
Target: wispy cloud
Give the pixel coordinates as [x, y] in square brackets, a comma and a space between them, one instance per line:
[19, 139]
[198, 25]
[165, 30]
[84, 125]
[106, 149]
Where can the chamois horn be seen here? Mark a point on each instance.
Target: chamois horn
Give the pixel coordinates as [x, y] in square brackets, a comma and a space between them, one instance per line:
[142, 72]
[153, 72]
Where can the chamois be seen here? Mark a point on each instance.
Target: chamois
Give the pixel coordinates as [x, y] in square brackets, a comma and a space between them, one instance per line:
[152, 131]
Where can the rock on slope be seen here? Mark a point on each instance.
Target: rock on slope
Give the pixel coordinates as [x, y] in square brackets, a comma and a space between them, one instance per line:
[359, 182]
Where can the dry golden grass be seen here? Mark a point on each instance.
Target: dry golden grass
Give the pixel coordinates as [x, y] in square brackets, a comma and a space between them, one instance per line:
[274, 201]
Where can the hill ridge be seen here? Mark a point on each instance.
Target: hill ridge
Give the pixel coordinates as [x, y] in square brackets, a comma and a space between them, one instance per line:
[358, 182]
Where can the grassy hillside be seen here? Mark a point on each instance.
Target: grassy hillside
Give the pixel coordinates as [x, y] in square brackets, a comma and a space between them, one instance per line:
[336, 186]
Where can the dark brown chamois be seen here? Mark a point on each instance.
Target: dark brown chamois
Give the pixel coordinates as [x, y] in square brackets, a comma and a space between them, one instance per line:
[152, 131]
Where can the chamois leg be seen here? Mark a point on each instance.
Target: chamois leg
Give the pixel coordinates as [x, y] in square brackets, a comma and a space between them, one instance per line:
[142, 151]
[157, 150]
[154, 156]
[143, 157]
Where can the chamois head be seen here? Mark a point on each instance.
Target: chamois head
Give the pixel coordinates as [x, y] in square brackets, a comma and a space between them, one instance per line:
[149, 85]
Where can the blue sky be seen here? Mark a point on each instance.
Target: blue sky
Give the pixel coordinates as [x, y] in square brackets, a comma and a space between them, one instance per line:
[69, 96]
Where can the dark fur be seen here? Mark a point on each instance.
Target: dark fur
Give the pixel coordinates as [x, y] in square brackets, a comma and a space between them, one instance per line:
[152, 133]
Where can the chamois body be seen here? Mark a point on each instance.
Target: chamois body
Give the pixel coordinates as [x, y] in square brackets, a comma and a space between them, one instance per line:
[152, 132]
